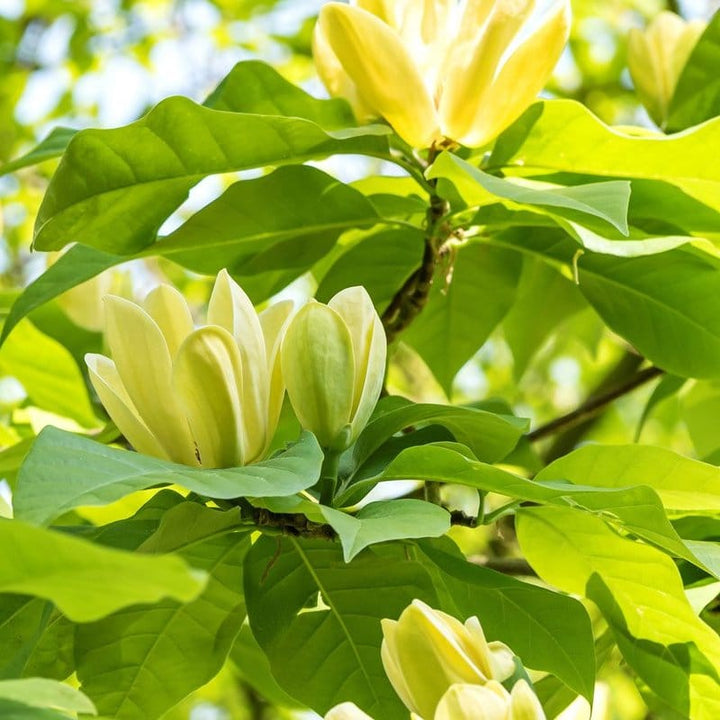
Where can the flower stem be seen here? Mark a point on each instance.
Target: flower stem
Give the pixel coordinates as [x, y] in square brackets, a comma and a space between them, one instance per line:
[329, 477]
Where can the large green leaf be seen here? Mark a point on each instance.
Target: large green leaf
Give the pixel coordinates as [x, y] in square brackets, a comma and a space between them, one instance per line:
[604, 201]
[464, 307]
[697, 93]
[318, 619]
[139, 662]
[285, 221]
[64, 471]
[549, 631]
[114, 188]
[84, 580]
[637, 507]
[684, 485]
[489, 435]
[663, 304]
[43, 693]
[48, 373]
[564, 136]
[640, 592]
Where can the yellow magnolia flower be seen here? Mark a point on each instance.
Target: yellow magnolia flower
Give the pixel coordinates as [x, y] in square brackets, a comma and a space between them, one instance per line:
[489, 702]
[439, 69]
[656, 58]
[347, 711]
[209, 396]
[333, 363]
[426, 651]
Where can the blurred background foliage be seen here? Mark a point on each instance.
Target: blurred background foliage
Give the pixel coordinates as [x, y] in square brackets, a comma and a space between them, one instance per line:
[103, 63]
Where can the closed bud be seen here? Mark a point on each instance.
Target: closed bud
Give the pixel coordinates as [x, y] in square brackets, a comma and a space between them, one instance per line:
[426, 651]
[461, 71]
[657, 57]
[333, 363]
[474, 702]
[205, 397]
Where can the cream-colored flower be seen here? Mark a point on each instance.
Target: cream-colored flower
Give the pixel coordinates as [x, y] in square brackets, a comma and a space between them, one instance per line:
[439, 69]
[426, 651]
[657, 57]
[490, 701]
[209, 396]
[347, 711]
[333, 362]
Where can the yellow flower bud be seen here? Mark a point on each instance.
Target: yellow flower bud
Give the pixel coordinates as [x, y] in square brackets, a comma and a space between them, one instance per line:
[524, 703]
[426, 651]
[439, 69]
[209, 396]
[333, 363]
[657, 57]
[474, 702]
[347, 711]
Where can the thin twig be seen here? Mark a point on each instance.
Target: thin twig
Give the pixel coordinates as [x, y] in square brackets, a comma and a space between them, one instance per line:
[594, 405]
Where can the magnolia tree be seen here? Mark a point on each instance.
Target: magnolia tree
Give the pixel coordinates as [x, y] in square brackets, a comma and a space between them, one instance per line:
[278, 503]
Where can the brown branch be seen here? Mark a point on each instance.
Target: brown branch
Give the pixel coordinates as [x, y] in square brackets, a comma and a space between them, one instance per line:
[412, 297]
[594, 405]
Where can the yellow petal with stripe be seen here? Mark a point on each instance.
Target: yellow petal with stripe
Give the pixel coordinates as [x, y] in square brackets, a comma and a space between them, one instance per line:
[143, 363]
[106, 381]
[373, 56]
[524, 703]
[207, 378]
[474, 702]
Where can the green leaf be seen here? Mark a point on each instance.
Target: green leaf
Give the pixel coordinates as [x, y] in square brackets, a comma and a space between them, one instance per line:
[525, 329]
[668, 387]
[464, 308]
[318, 619]
[255, 87]
[139, 662]
[114, 188]
[549, 631]
[78, 264]
[684, 485]
[48, 373]
[42, 693]
[640, 593]
[606, 201]
[637, 507]
[697, 93]
[64, 471]
[11, 710]
[380, 262]
[565, 136]
[86, 581]
[489, 435]
[700, 410]
[284, 221]
[50, 147]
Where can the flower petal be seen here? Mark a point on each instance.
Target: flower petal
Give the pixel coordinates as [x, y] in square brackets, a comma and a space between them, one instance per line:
[319, 370]
[232, 309]
[145, 368]
[524, 703]
[347, 711]
[274, 322]
[108, 385]
[473, 702]
[367, 48]
[356, 308]
[167, 307]
[513, 88]
[207, 377]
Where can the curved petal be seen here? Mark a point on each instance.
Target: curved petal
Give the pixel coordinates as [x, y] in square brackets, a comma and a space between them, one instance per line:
[473, 702]
[515, 86]
[108, 385]
[334, 77]
[167, 307]
[207, 377]
[231, 308]
[388, 655]
[356, 308]
[274, 322]
[367, 48]
[145, 368]
[319, 370]
[347, 711]
[524, 703]
[495, 659]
